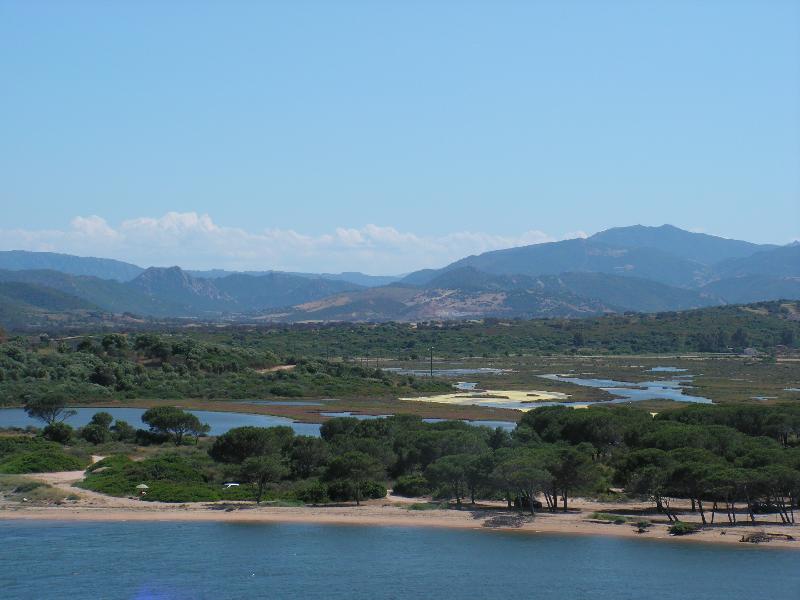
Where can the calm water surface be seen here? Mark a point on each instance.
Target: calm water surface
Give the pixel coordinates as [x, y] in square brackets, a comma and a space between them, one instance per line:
[220, 422]
[133, 560]
[633, 392]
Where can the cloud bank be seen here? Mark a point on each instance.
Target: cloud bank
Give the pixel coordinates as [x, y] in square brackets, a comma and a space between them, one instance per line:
[195, 241]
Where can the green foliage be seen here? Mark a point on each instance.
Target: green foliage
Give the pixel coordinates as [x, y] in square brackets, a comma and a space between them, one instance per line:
[50, 408]
[682, 528]
[354, 470]
[168, 366]
[43, 460]
[611, 518]
[95, 434]
[263, 470]
[342, 490]
[58, 432]
[411, 486]
[170, 477]
[240, 443]
[763, 325]
[312, 492]
[123, 431]
[427, 506]
[174, 422]
[164, 491]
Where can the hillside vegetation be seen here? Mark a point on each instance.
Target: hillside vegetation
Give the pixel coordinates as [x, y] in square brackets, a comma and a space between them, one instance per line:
[764, 326]
[161, 366]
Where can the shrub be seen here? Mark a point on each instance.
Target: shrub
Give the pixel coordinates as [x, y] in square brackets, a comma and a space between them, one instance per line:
[611, 518]
[45, 460]
[373, 490]
[241, 492]
[115, 460]
[343, 490]
[312, 492]
[681, 528]
[168, 491]
[428, 506]
[123, 431]
[95, 434]
[170, 477]
[58, 432]
[287, 390]
[411, 486]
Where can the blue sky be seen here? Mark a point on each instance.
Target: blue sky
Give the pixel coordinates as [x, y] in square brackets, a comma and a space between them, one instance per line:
[391, 136]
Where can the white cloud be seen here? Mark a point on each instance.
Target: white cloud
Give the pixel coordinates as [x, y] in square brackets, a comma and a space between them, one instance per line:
[193, 240]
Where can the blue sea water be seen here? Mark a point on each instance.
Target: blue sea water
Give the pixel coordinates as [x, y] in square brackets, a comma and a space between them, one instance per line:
[138, 560]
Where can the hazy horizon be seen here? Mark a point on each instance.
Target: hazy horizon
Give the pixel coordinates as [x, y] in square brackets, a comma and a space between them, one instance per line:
[485, 243]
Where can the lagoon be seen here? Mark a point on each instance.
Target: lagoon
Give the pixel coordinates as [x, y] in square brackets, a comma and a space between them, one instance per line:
[225, 561]
[635, 392]
[220, 422]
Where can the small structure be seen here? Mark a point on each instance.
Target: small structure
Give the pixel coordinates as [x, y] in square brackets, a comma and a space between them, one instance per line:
[750, 352]
[228, 486]
[142, 489]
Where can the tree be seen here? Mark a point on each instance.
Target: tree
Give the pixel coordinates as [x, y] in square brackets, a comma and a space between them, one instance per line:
[174, 422]
[450, 472]
[479, 472]
[103, 419]
[114, 341]
[263, 470]
[103, 375]
[123, 431]
[240, 443]
[571, 468]
[357, 468]
[86, 345]
[95, 434]
[50, 409]
[307, 454]
[525, 473]
[739, 339]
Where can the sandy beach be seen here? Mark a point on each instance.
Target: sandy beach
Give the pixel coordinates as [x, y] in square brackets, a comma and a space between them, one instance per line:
[392, 511]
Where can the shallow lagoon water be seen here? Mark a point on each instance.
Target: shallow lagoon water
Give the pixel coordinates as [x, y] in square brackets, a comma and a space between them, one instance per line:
[220, 422]
[180, 561]
[635, 392]
[359, 416]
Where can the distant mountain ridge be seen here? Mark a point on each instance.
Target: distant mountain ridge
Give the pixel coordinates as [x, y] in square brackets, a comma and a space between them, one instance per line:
[699, 247]
[625, 269]
[104, 268]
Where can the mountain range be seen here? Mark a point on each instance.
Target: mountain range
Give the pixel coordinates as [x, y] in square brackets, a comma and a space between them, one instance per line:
[624, 269]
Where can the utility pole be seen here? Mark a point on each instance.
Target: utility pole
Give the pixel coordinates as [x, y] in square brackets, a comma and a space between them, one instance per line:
[431, 362]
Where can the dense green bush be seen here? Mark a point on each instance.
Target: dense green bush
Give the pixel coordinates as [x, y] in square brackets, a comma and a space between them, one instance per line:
[167, 491]
[682, 528]
[171, 367]
[95, 434]
[343, 490]
[168, 476]
[45, 460]
[312, 492]
[58, 432]
[411, 486]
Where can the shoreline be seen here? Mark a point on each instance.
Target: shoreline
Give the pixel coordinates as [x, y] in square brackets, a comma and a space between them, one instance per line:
[391, 511]
[394, 515]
